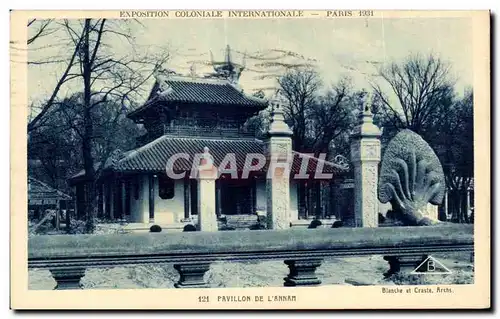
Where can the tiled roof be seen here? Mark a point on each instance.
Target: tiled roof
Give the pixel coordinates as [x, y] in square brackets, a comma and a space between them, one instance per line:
[153, 157]
[207, 91]
[39, 190]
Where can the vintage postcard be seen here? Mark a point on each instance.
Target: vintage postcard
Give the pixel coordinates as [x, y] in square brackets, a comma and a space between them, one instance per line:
[250, 159]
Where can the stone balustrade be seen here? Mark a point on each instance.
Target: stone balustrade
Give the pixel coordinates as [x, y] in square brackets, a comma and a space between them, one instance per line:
[302, 250]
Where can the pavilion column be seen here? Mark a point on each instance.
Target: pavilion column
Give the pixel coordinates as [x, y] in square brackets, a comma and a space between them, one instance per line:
[104, 199]
[365, 155]
[279, 153]
[207, 175]
[75, 210]
[218, 198]
[152, 180]
[112, 186]
[101, 201]
[123, 199]
[333, 199]
[187, 198]
[58, 214]
[446, 204]
[144, 196]
[317, 199]
[68, 217]
[251, 200]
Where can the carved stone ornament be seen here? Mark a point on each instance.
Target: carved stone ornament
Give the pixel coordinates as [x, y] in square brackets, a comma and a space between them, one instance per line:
[163, 87]
[410, 177]
[341, 161]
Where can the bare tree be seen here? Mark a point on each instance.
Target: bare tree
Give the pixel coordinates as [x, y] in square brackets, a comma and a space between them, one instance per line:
[453, 141]
[54, 149]
[333, 115]
[420, 85]
[300, 89]
[63, 78]
[41, 28]
[317, 118]
[104, 75]
[427, 104]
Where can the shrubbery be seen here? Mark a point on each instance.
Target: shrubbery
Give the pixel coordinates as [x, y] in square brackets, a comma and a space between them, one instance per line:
[189, 227]
[315, 224]
[261, 223]
[337, 224]
[155, 229]
[77, 227]
[225, 227]
[257, 226]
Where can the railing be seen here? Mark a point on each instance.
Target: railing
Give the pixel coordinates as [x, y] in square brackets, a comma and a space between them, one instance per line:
[196, 130]
[303, 250]
[207, 131]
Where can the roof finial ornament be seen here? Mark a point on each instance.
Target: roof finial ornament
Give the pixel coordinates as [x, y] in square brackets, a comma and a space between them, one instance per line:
[244, 61]
[365, 125]
[161, 76]
[228, 54]
[227, 69]
[192, 70]
[211, 57]
[367, 101]
[206, 160]
[278, 125]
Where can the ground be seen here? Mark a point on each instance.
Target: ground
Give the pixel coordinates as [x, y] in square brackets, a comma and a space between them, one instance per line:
[333, 271]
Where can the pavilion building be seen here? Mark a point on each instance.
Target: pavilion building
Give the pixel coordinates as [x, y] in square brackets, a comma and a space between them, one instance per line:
[186, 114]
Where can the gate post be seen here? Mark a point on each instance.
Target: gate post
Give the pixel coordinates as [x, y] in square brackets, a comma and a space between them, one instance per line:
[279, 154]
[365, 155]
[207, 174]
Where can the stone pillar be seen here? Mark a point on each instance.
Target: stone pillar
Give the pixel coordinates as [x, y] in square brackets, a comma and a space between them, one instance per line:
[365, 155]
[279, 157]
[207, 174]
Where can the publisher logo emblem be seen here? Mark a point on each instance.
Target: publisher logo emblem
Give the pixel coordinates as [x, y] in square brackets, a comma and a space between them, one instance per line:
[431, 266]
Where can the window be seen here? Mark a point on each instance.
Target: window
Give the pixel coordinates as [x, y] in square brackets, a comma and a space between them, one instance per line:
[166, 187]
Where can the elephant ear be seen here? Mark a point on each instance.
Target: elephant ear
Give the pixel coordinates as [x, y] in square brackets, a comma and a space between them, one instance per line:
[411, 171]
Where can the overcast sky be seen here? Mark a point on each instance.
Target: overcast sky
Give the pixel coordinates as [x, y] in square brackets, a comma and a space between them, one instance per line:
[333, 44]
